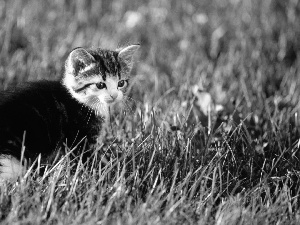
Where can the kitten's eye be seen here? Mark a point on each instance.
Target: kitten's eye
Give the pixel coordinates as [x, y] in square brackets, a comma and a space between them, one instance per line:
[101, 85]
[121, 83]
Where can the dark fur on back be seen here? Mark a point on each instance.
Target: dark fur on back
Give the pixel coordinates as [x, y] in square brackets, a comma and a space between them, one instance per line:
[49, 115]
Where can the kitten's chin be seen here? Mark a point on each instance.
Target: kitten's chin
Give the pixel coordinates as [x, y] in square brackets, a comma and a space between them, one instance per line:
[110, 101]
[103, 111]
[101, 107]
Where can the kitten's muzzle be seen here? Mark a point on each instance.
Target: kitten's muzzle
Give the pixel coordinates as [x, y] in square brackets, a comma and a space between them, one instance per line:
[113, 95]
[112, 98]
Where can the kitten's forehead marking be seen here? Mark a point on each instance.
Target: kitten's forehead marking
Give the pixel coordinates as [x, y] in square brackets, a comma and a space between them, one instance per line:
[108, 63]
[103, 76]
[94, 79]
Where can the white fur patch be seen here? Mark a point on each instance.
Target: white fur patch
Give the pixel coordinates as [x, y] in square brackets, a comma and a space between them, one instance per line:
[87, 68]
[70, 82]
[10, 168]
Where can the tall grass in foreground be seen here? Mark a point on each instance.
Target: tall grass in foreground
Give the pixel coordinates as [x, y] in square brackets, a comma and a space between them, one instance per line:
[166, 161]
[144, 184]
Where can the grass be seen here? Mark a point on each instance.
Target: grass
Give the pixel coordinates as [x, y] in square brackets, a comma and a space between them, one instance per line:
[168, 159]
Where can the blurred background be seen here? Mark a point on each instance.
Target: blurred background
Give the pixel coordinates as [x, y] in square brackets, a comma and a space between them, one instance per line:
[237, 51]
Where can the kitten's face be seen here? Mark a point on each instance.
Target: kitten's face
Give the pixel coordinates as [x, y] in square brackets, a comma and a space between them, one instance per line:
[99, 78]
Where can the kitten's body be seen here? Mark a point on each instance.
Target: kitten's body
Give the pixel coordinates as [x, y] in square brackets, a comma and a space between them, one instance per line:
[44, 115]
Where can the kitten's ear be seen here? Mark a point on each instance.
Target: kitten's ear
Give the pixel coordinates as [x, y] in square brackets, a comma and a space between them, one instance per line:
[126, 53]
[79, 60]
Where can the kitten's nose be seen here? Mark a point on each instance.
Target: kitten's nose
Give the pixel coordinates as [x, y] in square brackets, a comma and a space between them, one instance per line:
[114, 95]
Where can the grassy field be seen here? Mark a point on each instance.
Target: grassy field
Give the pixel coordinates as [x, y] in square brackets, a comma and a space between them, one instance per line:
[210, 134]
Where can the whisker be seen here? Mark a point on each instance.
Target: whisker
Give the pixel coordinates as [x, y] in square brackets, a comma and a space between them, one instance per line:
[105, 110]
[90, 113]
[132, 102]
[98, 108]
[72, 145]
[87, 113]
[131, 99]
[127, 107]
[91, 102]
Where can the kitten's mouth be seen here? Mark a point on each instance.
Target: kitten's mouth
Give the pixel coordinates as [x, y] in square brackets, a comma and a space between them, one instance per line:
[109, 100]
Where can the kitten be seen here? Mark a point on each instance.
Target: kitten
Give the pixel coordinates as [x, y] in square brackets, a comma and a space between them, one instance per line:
[42, 116]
